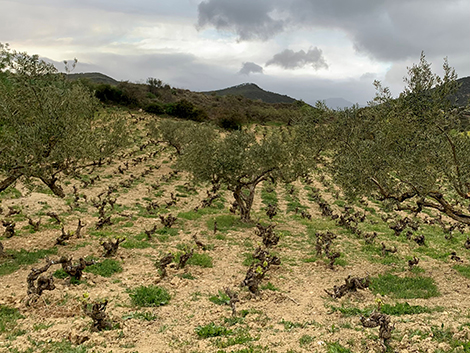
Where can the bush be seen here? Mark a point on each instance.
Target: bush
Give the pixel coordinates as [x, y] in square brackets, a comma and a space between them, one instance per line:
[149, 296]
[230, 123]
[184, 109]
[155, 108]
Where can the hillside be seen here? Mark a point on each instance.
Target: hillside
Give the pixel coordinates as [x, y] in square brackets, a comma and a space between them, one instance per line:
[188, 311]
[252, 91]
[462, 97]
[94, 77]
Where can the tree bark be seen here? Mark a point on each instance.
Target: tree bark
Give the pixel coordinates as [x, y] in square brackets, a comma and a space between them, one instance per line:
[52, 184]
[245, 202]
[446, 208]
[9, 180]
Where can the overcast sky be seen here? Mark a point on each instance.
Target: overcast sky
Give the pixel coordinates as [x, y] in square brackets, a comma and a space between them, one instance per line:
[307, 49]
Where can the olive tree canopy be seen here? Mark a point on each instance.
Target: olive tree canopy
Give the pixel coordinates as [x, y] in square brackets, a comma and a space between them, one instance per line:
[48, 124]
[410, 150]
[241, 160]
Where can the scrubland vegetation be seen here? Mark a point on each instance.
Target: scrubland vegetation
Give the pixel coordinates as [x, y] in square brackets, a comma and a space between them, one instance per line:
[228, 225]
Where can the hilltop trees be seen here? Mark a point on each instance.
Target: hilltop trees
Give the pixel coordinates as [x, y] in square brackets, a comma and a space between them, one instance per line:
[410, 150]
[48, 124]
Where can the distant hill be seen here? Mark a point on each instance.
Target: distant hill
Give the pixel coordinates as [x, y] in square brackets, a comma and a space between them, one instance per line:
[252, 91]
[94, 77]
[462, 97]
[338, 103]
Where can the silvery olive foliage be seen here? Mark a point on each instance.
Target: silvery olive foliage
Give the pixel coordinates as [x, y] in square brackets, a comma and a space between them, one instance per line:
[411, 150]
[48, 124]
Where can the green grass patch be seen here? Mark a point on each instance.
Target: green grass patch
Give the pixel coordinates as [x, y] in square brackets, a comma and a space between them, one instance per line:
[227, 222]
[289, 325]
[396, 310]
[306, 340]
[242, 337]
[140, 315]
[22, 257]
[269, 286]
[105, 268]
[167, 231]
[64, 346]
[212, 330]
[190, 215]
[335, 347]
[149, 296]
[463, 270]
[186, 275]
[202, 260]
[137, 242]
[10, 193]
[269, 195]
[60, 274]
[8, 318]
[404, 287]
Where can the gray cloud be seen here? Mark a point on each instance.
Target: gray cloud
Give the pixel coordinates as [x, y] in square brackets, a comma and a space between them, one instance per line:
[289, 59]
[383, 29]
[250, 67]
[250, 20]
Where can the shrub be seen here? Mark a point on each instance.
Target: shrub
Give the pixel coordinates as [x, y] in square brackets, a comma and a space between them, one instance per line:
[149, 296]
[184, 109]
[155, 108]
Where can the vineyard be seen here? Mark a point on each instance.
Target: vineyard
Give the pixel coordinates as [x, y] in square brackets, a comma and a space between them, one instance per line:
[228, 226]
[139, 257]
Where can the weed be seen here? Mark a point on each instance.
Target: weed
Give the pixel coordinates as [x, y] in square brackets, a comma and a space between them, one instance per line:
[220, 299]
[242, 337]
[186, 275]
[289, 325]
[140, 315]
[60, 274]
[305, 340]
[149, 296]
[212, 330]
[335, 347]
[41, 326]
[269, 286]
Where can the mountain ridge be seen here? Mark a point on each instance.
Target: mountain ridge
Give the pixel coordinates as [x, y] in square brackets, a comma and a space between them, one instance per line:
[252, 91]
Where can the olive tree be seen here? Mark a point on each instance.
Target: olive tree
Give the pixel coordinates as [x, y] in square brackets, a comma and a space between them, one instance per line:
[241, 160]
[48, 124]
[410, 150]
